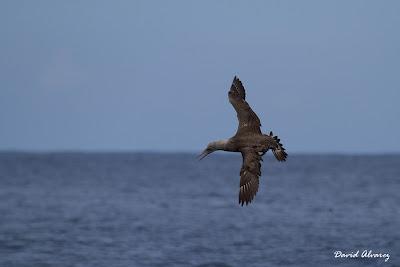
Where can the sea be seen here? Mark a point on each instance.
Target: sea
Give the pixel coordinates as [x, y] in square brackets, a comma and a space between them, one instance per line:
[169, 209]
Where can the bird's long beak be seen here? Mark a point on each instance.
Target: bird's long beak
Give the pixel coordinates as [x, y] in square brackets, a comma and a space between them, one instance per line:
[203, 154]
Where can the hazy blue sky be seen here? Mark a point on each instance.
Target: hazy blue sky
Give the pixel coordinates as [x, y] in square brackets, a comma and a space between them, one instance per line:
[154, 75]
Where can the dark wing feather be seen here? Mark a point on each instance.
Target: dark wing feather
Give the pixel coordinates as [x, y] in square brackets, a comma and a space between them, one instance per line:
[277, 148]
[249, 176]
[248, 120]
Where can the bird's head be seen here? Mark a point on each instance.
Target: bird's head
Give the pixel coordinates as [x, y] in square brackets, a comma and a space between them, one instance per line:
[211, 147]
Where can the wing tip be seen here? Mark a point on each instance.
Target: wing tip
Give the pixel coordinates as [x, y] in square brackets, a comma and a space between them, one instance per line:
[247, 194]
[238, 87]
[280, 154]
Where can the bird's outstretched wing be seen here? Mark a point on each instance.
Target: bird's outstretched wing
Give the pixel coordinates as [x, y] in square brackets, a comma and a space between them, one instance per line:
[248, 120]
[249, 176]
[279, 150]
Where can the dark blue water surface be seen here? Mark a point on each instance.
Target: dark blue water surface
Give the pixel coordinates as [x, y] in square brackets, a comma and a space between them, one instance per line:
[122, 209]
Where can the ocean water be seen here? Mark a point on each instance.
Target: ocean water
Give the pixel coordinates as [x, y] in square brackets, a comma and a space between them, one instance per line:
[127, 209]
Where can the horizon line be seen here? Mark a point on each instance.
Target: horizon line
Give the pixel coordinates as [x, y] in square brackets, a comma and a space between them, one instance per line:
[149, 151]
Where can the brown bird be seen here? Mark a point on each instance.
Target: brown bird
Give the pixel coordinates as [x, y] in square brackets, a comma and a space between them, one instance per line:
[248, 140]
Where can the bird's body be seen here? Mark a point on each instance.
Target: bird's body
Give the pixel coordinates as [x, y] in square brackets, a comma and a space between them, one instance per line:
[250, 141]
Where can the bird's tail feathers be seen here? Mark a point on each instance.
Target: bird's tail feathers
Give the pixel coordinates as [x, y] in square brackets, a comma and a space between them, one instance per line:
[279, 151]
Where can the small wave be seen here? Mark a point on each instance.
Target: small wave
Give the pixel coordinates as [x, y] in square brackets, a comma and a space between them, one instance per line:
[214, 264]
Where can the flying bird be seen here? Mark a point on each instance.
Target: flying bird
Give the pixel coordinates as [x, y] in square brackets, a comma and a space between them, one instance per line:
[249, 141]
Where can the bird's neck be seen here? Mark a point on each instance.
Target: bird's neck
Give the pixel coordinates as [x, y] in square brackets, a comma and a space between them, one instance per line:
[220, 144]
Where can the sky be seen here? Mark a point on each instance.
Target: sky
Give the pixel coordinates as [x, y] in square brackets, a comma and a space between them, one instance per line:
[154, 75]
